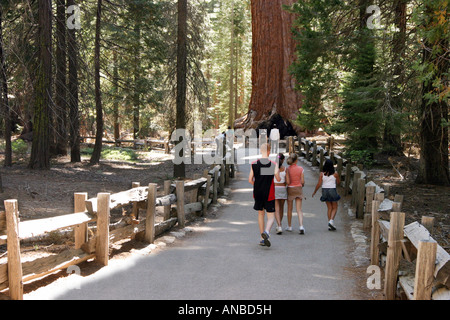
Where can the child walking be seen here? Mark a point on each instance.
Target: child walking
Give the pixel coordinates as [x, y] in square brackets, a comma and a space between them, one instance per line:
[280, 193]
[261, 177]
[295, 180]
[328, 180]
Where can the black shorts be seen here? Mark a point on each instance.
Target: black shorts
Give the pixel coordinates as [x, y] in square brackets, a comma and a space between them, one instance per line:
[260, 205]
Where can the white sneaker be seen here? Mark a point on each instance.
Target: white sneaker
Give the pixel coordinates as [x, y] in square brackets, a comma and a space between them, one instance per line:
[301, 230]
[279, 230]
[331, 226]
[288, 229]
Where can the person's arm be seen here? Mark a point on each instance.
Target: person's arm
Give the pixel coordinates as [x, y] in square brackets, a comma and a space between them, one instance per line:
[251, 177]
[288, 177]
[279, 178]
[277, 172]
[319, 183]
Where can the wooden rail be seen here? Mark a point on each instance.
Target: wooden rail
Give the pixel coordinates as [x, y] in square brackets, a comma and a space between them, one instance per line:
[177, 200]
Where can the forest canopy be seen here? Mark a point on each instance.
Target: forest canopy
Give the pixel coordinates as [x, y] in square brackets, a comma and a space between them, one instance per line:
[376, 72]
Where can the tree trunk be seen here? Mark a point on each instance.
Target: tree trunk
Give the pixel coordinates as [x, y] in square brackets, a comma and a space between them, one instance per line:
[60, 83]
[179, 169]
[273, 52]
[40, 151]
[115, 83]
[4, 100]
[74, 123]
[232, 65]
[95, 158]
[433, 167]
[137, 79]
[392, 143]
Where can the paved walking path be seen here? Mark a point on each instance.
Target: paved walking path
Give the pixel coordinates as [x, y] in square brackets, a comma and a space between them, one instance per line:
[222, 259]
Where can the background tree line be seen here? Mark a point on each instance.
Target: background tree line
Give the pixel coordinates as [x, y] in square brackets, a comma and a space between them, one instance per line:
[116, 74]
[377, 74]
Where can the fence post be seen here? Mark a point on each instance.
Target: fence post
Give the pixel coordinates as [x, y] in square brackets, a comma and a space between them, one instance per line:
[348, 173]
[167, 185]
[215, 185]
[375, 235]
[13, 247]
[151, 208]
[206, 198]
[222, 178]
[356, 177]
[360, 198]
[370, 194]
[425, 265]
[314, 154]
[396, 234]
[80, 231]
[428, 223]
[321, 159]
[339, 168]
[291, 144]
[180, 203]
[102, 245]
[307, 147]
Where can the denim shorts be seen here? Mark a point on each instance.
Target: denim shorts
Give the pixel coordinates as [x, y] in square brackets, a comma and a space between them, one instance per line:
[329, 195]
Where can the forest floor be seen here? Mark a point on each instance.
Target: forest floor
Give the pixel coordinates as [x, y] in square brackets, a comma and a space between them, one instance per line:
[419, 199]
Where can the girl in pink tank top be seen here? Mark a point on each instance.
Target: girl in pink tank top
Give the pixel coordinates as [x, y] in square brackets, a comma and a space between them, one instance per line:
[295, 180]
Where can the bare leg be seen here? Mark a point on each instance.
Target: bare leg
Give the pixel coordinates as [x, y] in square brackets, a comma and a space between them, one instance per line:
[298, 203]
[270, 221]
[289, 212]
[329, 209]
[278, 211]
[281, 210]
[334, 209]
[261, 221]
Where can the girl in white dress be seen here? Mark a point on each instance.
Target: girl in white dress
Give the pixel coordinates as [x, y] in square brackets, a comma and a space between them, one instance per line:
[280, 192]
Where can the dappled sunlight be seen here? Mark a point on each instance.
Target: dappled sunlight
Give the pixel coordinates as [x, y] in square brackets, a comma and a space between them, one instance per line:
[322, 276]
[242, 190]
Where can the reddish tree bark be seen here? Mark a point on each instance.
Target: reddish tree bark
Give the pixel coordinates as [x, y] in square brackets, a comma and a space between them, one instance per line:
[273, 52]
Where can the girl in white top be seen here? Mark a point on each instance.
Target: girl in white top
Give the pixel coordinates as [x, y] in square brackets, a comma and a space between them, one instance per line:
[280, 192]
[329, 180]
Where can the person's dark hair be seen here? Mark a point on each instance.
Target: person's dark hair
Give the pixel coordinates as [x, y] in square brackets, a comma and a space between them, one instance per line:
[328, 168]
[280, 159]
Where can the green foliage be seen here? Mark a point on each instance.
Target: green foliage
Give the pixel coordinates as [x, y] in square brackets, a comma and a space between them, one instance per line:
[19, 147]
[434, 26]
[113, 153]
[360, 115]
[363, 157]
[227, 17]
[316, 67]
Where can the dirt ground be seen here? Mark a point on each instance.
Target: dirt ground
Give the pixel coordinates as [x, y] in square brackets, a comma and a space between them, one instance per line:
[419, 200]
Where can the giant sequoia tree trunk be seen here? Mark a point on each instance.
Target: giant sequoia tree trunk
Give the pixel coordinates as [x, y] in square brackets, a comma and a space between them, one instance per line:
[273, 52]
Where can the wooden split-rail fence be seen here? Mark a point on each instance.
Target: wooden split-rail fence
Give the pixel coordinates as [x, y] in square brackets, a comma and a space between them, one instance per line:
[180, 201]
[416, 267]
